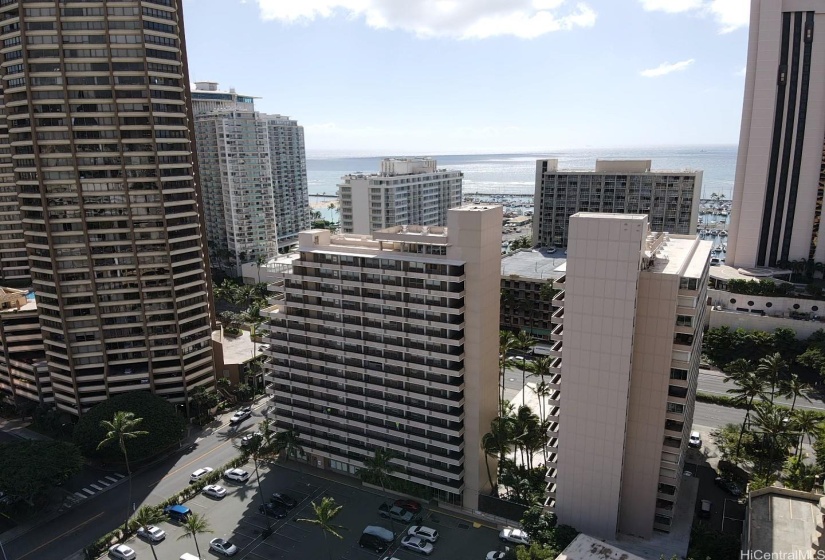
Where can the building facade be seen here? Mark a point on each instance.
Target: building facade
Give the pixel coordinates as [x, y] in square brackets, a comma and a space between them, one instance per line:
[780, 168]
[24, 371]
[527, 291]
[406, 191]
[389, 341]
[670, 199]
[206, 97]
[289, 178]
[628, 350]
[237, 182]
[100, 131]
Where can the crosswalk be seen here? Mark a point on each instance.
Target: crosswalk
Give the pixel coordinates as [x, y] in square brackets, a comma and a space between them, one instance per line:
[98, 486]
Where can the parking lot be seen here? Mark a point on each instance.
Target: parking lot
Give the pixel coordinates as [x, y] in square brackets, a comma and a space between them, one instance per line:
[236, 518]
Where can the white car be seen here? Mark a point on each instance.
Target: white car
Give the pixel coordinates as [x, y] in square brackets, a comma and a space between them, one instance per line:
[152, 533]
[241, 415]
[249, 437]
[513, 535]
[214, 490]
[495, 555]
[237, 475]
[199, 474]
[424, 533]
[695, 440]
[417, 544]
[223, 546]
[122, 552]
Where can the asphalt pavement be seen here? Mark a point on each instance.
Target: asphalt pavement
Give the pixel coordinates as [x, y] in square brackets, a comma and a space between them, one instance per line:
[713, 382]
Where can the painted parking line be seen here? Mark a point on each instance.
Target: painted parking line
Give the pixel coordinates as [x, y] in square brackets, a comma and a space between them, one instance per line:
[89, 492]
[96, 487]
[111, 478]
[104, 482]
[79, 495]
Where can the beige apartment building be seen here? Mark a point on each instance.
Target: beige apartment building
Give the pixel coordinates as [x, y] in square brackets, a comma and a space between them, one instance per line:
[780, 184]
[406, 191]
[95, 96]
[389, 341]
[24, 371]
[670, 199]
[628, 344]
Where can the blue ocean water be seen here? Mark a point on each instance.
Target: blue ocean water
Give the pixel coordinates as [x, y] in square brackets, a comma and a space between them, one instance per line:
[515, 173]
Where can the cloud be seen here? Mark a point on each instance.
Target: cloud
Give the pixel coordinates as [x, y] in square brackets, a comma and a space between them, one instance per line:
[666, 68]
[729, 14]
[462, 19]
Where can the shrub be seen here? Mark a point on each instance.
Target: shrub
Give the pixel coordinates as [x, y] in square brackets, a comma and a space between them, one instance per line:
[159, 416]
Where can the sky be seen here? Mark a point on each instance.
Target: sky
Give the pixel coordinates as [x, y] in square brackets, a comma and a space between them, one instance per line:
[481, 76]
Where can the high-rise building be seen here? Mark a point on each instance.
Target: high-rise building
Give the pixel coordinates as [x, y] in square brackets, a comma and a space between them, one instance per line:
[390, 341]
[669, 198]
[780, 169]
[236, 179]
[406, 191]
[253, 174]
[289, 178]
[100, 130]
[633, 310]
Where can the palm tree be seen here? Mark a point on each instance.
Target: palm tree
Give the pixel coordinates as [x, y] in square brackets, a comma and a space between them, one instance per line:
[260, 260]
[526, 422]
[770, 368]
[289, 442]
[146, 516]
[540, 367]
[257, 448]
[194, 525]
[506, 342]
[748, 386]
[379, 468]
[772, 423]
[806, 422]
[331, 208]
[121, 429]
[325, 512]
[793, 388]
[489, 445]
[525, 343]
[501, 436]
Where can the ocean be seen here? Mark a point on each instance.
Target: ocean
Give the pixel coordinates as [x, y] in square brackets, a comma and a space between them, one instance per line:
[515, 173]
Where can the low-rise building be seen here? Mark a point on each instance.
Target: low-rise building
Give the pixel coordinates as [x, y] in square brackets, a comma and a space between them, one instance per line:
[24, 373]
[783, 523]
[527, 278]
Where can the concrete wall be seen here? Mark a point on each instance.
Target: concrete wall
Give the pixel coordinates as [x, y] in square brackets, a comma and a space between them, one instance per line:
[475, 236]
[752, 322]
[599, 315]
[647, 408]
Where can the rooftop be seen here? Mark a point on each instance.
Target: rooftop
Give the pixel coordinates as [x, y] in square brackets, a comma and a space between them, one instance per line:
[617, 166]
[535, 264]
[725, 273]
[784, 521]
[585, 547]
[12, 299]
[238, 349]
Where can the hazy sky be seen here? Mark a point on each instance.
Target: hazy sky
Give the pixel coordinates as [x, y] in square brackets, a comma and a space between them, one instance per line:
[458, 76]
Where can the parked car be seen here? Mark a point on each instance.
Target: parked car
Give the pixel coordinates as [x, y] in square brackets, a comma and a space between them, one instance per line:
[418, 545]
[283, 499]
[496, 555]
[177, 512]
[372, 542]
[199, 474]
[214, 491]
[236, 475]
[122, 552]
[247, 439]
[223, 546]
[695, 440]
[395, 513]
[515, 536]
[728, 486]
[410, 505]
[705, 508]
[241, 415]
[273, 510]
[152, 533]
[425, 533]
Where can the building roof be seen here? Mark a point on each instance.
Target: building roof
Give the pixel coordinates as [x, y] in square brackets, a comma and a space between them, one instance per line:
[237, 349]
[585, 547]
[12, 299]
[534, 264]
[784, 521]
[756, 274]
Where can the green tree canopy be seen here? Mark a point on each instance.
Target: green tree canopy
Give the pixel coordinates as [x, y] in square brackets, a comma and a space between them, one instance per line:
[160, 419]
[55, 462]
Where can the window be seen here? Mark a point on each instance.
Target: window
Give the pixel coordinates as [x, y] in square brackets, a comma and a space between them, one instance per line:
[684, 321]
[675, 408]
[680, 374]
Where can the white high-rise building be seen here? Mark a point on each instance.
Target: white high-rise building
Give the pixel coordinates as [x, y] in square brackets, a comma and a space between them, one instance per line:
[390, 341]
[289, 178]
[628, 345]
[406, 191]
[779, 189]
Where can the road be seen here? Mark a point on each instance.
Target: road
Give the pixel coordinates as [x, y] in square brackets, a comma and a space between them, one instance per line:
[90, 519]
[712, 382]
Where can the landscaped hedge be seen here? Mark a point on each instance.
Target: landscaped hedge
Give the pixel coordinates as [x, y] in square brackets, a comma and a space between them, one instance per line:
[160, 419]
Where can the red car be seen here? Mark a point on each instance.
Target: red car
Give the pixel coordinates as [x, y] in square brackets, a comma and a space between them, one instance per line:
[410, 505]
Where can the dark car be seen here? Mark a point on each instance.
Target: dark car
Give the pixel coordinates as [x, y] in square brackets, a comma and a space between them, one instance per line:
[728, 486]
[283, 500]
[273, 510]
[410, 505]
[372, 542]
[395, 513]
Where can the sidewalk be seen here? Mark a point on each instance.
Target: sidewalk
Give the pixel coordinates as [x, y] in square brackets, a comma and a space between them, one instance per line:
[17, 428]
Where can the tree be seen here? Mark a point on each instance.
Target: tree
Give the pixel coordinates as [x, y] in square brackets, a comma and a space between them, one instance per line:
[770, 368]
[748, 386]
[260, 260]
[55, 461]
[148, 515]
[378, 468]
[325, 513]
[506, 342]
[194, 525]
[540, 367]
[770, 423]
[122, 428]
[289, 442]
[490, 447]
[798, 475]
[331, 208]
[257, 448]
[159, 419]
[794, 387]
[806, 423]
[524, 342]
